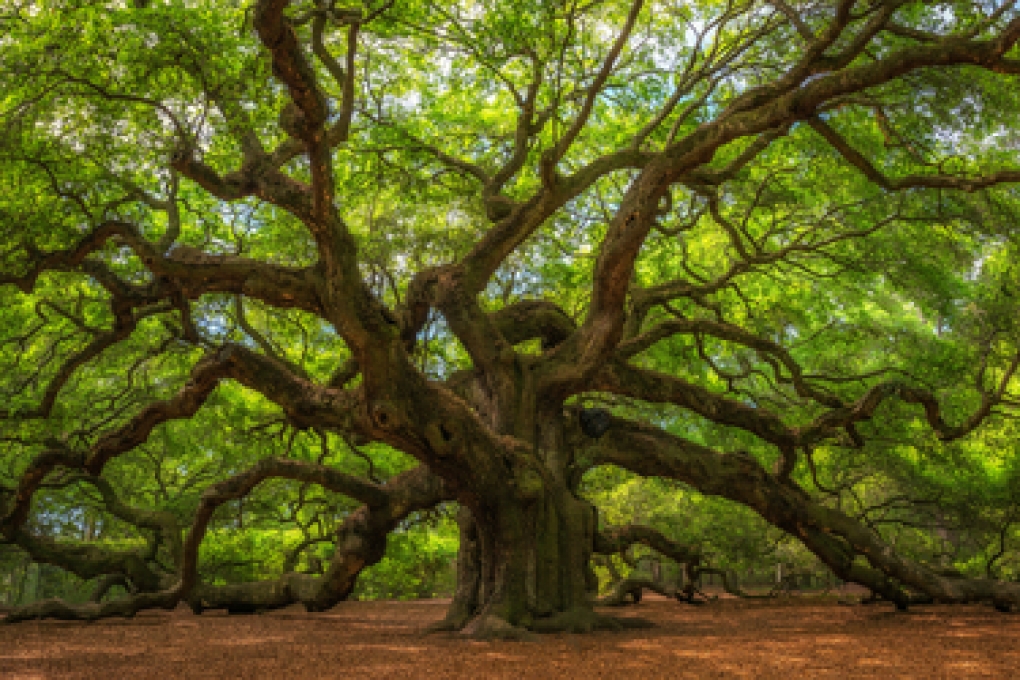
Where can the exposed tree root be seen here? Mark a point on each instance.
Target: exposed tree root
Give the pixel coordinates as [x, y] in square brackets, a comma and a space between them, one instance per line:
[492, 627]
[585, 620]
[455, 620]
[575, 620]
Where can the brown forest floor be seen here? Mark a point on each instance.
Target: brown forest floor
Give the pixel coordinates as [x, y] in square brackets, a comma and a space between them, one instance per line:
[791, 638]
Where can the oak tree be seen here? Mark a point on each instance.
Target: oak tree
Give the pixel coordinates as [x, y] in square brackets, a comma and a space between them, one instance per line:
[516, 241]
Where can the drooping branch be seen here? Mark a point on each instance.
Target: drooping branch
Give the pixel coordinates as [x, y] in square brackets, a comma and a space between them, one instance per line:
[361, 539]
[361, 542]
[239, 485]
[304, 402]
[125, 322]
[832, 535]
[203, 380]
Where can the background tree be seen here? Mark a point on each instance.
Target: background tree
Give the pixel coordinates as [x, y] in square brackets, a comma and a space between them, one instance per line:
[476, 252]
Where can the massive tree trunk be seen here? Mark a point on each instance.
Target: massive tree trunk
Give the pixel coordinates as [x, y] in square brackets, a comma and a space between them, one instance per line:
[526, 563]
[527, 538]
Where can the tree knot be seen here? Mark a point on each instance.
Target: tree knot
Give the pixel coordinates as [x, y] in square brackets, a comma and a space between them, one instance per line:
[384, 416]
[441, 437]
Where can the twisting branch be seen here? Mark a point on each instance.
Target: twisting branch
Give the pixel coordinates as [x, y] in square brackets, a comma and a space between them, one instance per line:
[534, 319]
[776, 106]
[864, 408]
[185, 270]
[203, 380]
[618, 539]
[305, 120]
[361, 538]
[620, 378]
[257, 177]
[832, 535]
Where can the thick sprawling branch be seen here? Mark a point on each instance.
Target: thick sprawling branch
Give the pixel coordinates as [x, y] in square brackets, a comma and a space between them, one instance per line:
[185, 270]
[620, 378]
[307, 121]
[304, 402]
[361, 537]
[534, 319]
[128, 606]
[346, 301]
[88, 561]
[241, 484]
[757, 112]
[618, 539]
[835, 537]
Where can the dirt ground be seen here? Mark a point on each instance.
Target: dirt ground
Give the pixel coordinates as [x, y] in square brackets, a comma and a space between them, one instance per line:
[790, 639]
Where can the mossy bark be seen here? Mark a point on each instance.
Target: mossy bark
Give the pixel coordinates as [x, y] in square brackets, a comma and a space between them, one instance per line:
[524, 565]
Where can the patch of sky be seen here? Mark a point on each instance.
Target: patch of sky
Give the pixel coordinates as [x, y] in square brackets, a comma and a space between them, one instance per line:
[212, 321]
[976, 268]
